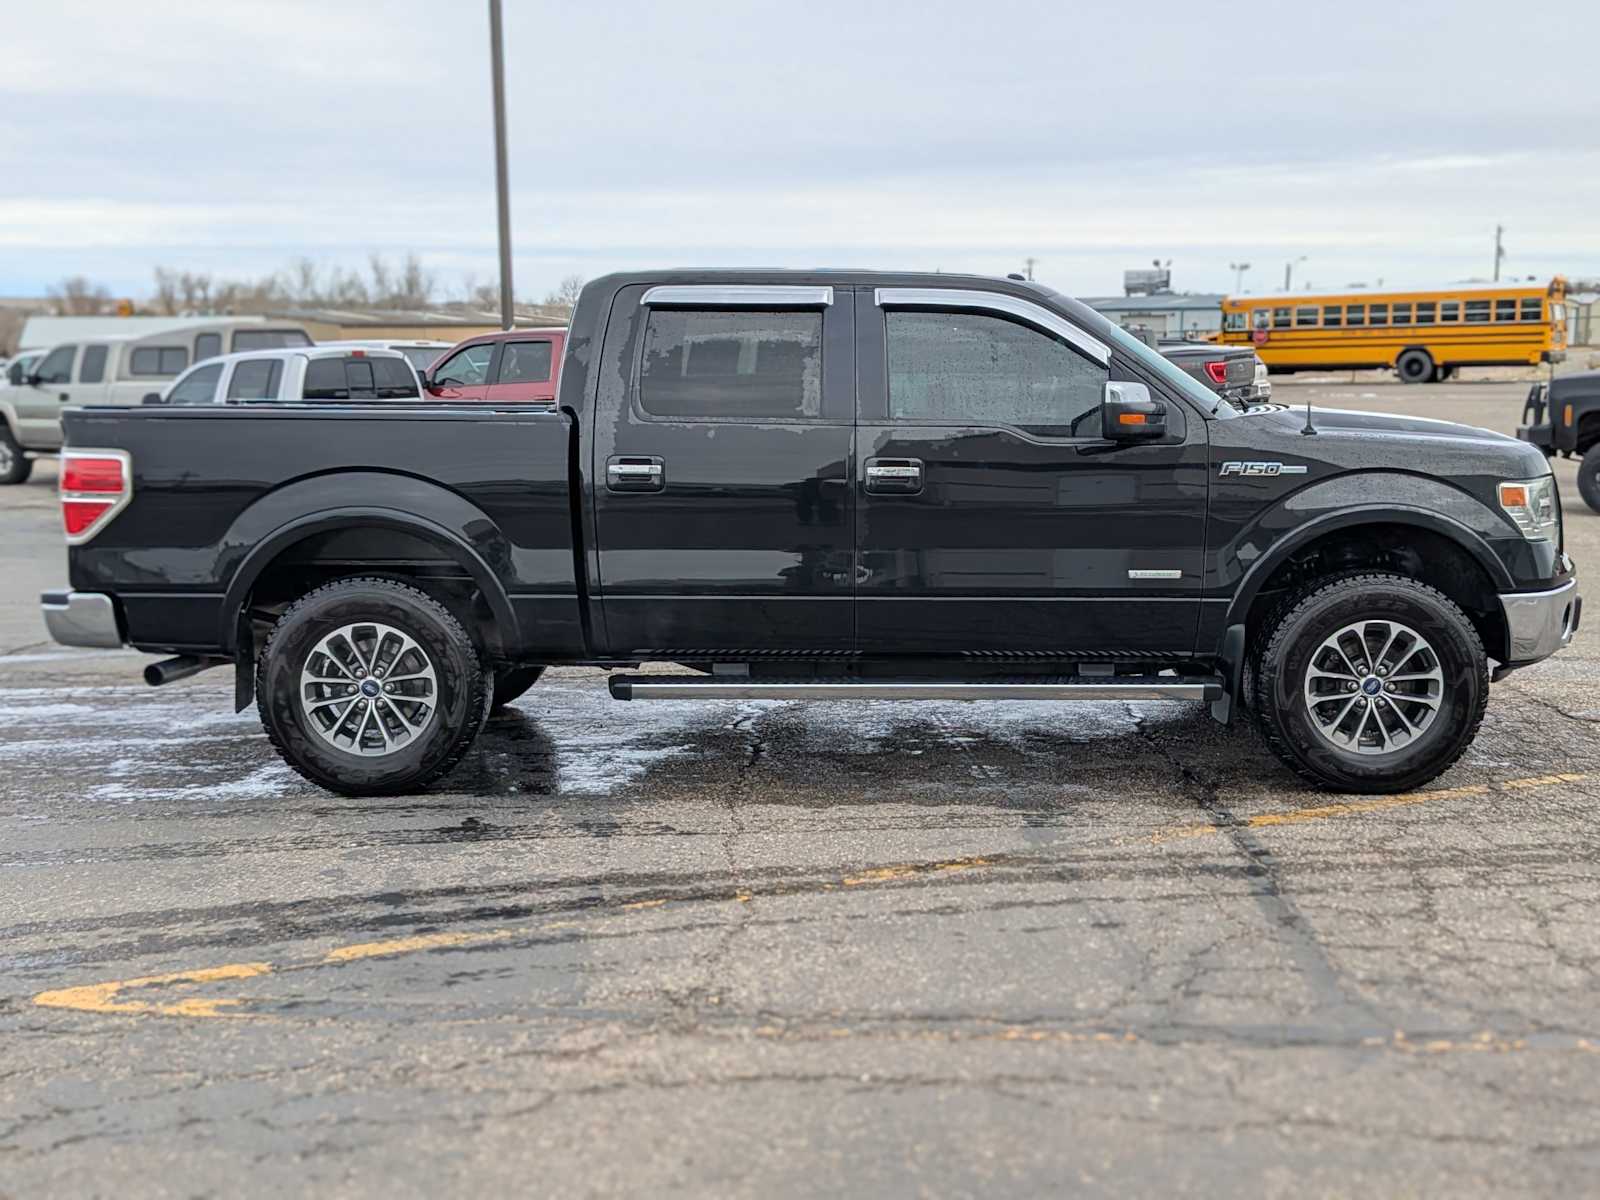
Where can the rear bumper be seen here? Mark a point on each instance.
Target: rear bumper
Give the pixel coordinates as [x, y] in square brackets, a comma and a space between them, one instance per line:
[82, 619]
[1540, 623]
[1541, 436]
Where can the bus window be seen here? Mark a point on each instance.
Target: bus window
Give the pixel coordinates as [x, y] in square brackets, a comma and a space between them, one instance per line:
[1333, 316]
[1280, 318]
[1233, 322]
[1402, 314]
[1425, 311]
[1450, 310]
[1263, 318]
[1355, 314]
[1305, 316]
[1477, 310]
[1505, 310]
[1530, 308]
[1377, 314]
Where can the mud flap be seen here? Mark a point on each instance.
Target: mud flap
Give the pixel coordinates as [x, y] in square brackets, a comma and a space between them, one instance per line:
[1231, 668]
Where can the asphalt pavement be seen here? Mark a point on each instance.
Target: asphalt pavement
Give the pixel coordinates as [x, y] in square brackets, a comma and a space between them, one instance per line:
[764, 948]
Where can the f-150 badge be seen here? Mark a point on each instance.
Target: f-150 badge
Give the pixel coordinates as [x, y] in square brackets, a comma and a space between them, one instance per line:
[1262, 468]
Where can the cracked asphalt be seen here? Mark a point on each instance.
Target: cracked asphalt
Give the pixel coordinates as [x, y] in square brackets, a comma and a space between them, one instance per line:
[759, 948]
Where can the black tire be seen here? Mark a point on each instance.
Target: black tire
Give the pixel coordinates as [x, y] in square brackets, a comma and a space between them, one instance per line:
[1296, 638]
[511, 683]
[1415, 366]
[459, 687]
[1589, 477]
[15, 466]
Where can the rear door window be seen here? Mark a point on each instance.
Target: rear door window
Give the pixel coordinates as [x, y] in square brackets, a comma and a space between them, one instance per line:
[93, 367]
[256, 380]
[751, 363]
[199, 386]
[525, 362]
[158, 360]
[393, 378]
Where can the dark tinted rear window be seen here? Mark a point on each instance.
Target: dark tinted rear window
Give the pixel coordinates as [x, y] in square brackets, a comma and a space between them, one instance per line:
[158, 360]
[93, 367]
[255, 380]
[746, 363]
[394, 378]
[525, 362]
[207, 345]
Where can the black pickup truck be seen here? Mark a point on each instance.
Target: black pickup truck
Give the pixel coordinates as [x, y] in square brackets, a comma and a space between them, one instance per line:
[823, 485]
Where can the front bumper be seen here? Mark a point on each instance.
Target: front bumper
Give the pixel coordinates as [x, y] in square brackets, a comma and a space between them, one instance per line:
[1540, 623]
[82, 619]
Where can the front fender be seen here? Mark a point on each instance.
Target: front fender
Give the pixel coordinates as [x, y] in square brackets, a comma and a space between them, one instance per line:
[1247, 557]
[280, 519]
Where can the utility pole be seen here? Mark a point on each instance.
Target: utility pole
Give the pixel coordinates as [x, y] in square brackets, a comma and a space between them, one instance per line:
[502, 187]
[1288, 271]
[1029, 263]
[1499, 250]
[1238, 269]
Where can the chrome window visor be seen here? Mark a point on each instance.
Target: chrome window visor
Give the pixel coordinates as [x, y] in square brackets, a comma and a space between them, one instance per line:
[997, 302]
[717, 295]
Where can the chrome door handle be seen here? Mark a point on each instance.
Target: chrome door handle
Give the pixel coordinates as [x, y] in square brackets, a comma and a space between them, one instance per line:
[635, 473]
[894, 476]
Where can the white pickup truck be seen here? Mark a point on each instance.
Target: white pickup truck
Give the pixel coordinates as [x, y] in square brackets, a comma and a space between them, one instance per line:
[113, 370]
[321, 373]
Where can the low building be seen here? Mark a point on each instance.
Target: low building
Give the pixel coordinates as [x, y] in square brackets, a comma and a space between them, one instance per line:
[447, 323]
[1166, 314]
[41, 331]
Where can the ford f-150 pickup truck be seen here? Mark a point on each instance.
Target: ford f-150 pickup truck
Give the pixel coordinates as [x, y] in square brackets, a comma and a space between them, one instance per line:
[823, 485]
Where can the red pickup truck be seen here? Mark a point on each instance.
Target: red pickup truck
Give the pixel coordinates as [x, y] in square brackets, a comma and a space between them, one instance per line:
[518, 366]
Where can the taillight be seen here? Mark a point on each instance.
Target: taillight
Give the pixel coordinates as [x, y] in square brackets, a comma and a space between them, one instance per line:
[1218, 370]
[95, 486]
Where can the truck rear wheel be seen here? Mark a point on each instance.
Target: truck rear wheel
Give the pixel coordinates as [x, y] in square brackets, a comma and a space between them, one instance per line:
[15, 466]
[1589, 477]
[1371, 683]
[368, 686]
[1415, 366]
[511, 683]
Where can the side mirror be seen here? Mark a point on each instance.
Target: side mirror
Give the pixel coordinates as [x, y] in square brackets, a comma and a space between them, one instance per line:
[151, 398]
[1128, 414]
[33, 379]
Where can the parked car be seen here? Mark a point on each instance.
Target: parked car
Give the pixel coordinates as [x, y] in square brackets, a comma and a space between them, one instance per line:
[331, 371]
[420, 354]
[1563, 417]
[519, 366]
[823, 485]
[114, 370]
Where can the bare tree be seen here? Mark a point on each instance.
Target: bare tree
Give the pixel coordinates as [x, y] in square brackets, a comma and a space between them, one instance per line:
[77, 297]
[566, 293]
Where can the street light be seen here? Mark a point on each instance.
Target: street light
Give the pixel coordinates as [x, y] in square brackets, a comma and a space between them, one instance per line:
[1288, 271]
[1238, 270]
[502, 188]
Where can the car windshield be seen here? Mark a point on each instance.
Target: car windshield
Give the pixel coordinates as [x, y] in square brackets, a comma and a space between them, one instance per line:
[421, 357]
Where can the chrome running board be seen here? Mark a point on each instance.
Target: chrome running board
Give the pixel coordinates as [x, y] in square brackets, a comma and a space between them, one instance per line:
[711, 687]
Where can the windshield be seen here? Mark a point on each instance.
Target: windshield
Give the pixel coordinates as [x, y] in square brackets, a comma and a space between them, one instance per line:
[421, 357]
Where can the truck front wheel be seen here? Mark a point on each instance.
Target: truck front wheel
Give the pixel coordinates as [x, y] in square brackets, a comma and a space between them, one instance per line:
[1371, 683]
[1589, 477]
[367, 686]
[15, 466]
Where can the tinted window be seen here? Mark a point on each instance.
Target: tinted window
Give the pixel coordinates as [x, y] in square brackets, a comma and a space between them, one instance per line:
[1450, 310]
[732, 364]
[1425, 312]
[1355, 314]
[1505, 310]
[465, 368]
[255, 380]
[1530, 308]
[1377, 314]
[158, 360]
[394, 378]
[1305, 316]
[525, 362]
[973, 369]
[1477, 310]
[199, 386]
[358, 379]
[268, 339]
[325, 380]
[93, 367]
[1280, 318]
[1333, 316]
[207, 345]
[1402, 314]
[57, 365]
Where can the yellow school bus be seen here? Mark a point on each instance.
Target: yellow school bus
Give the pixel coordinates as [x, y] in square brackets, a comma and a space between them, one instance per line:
[1424, 335]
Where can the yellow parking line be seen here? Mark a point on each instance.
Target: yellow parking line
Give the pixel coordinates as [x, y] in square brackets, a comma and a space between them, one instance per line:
[102, 997]
[410, 945]
[1301, 816]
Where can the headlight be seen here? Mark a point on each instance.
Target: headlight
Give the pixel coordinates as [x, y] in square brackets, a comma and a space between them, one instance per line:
[1531, 505]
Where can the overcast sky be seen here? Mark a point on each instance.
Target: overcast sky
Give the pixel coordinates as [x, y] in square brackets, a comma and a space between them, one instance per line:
[1380, 141]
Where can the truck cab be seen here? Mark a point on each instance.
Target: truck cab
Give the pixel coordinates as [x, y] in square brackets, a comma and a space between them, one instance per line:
[824, 485]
